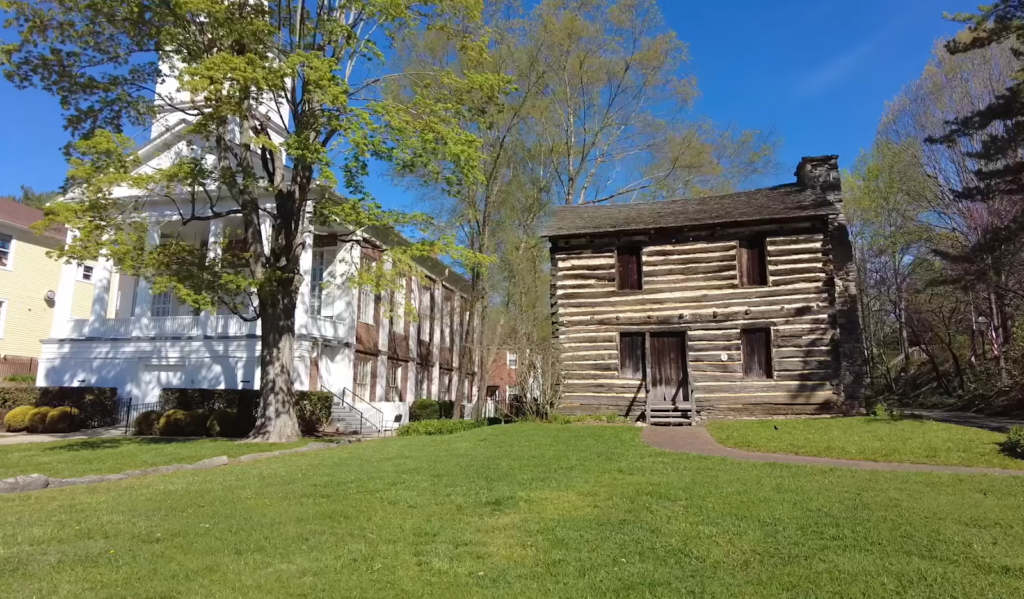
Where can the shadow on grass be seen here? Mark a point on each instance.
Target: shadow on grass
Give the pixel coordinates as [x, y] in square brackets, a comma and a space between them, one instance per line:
[99, 444]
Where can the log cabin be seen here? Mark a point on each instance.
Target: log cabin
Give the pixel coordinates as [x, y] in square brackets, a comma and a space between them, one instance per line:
[741, 305]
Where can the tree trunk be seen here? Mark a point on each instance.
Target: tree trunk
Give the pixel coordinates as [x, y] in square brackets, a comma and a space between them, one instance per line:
[997, 329]
[276, 421]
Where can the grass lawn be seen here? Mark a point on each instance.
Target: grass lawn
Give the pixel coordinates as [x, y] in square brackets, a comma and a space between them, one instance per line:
[872, 439]
[518, 511]
[66, 459]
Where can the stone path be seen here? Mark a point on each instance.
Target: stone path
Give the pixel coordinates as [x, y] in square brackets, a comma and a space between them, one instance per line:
[93, 433]
[697, 439]
[991, 423]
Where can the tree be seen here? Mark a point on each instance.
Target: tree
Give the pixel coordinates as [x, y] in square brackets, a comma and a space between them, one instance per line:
[30, 197]
[286, 103]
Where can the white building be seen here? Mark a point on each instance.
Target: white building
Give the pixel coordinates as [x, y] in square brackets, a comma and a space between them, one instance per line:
[376, 360]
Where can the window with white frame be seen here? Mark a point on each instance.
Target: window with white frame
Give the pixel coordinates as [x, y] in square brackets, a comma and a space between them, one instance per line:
[163, 304]
[364, 374]
[3, 316]
[316, 282]
[421, 382]
[85, 273]
[512, 360]
[445, 384]
[6, 250]
[424, 312]
[367, 300]
[393, 389]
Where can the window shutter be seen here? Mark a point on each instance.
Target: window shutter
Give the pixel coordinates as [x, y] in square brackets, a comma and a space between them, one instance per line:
[628, 269]
[631, 355]
[756, 345]
[751, 260]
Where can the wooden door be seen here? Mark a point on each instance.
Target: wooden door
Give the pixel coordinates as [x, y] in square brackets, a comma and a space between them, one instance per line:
[668, 383]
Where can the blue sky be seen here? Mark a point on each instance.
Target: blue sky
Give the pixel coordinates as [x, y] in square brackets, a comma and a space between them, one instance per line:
[817, 71]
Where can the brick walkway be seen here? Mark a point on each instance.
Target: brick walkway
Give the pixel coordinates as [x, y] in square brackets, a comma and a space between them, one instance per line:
[697, 439]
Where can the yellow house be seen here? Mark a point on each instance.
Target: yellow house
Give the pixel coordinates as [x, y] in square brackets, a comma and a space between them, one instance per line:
[28, 282]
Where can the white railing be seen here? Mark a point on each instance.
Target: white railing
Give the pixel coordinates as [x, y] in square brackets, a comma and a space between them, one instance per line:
[319, 326]
[213, 325]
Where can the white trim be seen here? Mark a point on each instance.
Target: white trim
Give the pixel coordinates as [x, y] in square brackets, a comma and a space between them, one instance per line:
[10, 253]
[3, 314]
[512, 360]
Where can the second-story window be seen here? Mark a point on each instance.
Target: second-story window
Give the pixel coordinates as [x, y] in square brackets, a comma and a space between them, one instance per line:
[629, 269]
[6, 249]
[162, 304]
[446, 321]
[316, 282]
[85, 273]
[512, 359]
[367, 299]
[425, 312]
[752, 262]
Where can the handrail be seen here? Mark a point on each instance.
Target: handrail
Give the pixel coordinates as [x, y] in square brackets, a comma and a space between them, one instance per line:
[379, 425]
[362, 417]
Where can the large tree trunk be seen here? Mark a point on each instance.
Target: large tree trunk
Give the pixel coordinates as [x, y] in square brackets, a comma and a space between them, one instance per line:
[276, 421]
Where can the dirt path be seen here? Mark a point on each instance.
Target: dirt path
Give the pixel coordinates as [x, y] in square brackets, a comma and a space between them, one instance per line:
[697, 439]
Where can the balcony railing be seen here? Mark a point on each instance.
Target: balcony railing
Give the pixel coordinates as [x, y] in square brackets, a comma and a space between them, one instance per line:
[191, 326]
[214, 325]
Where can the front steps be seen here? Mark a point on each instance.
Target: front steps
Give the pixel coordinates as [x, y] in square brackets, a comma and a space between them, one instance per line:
[346, 419]
[670, 414]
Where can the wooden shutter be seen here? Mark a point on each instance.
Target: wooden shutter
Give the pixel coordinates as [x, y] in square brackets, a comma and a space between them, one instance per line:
[627, 267]
[752, 263]
[631, 355]
[757, 353]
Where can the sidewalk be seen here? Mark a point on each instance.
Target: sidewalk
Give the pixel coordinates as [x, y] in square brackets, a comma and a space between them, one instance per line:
[93, 433]
[991, 423]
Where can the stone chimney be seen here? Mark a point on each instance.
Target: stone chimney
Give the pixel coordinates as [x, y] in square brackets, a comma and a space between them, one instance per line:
[821, 172]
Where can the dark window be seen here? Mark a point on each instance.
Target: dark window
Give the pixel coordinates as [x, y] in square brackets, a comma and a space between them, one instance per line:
[751, 259]
[757, 353]
[627, 269]
[631, 356]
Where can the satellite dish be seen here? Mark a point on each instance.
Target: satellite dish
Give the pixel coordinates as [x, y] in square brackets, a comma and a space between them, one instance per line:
[50, 295]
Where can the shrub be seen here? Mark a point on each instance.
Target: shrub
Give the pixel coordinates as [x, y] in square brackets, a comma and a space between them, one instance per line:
[37, 419]
[17, 419]
[195, 423]
[97, 406]
[222, 423]
[424, 409]
[62, 420]
[1014, 443]
[13, 397]
[244, 402]
[23, 379]
[147, 422]
[438, 427]
[313, 410]
[883, 412]
[172, 424]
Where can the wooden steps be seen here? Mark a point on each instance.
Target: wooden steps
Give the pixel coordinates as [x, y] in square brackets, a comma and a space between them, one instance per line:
[668, 414]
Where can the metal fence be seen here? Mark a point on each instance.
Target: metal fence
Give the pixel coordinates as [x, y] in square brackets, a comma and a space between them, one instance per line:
[17, 365]
[128, 412]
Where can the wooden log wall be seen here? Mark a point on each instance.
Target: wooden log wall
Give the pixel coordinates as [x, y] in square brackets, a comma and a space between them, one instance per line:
[692, 285]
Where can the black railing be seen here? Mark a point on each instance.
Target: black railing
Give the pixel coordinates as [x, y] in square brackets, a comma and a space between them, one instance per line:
[347, 399]
[128, 412]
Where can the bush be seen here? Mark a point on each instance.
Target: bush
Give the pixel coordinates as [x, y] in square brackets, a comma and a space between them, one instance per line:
[1014, 443]
[313, 410]
[13, 397]
[884, 412]
[438, 427]
[37, 419]
[17, 419]
[23, 379]
[222, 423]
[244, 402]
[172, 424]
[147, 422]
[62, 420]
[195, 423]
[424, 409]
[97, 406]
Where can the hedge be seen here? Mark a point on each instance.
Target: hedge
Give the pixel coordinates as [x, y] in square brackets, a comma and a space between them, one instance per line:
[97, 406]
[37, 419]
[172, 424]
[438, 427]
[428, 409]
[146, 423]
[312, 408]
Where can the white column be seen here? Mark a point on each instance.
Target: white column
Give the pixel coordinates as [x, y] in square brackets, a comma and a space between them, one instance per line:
[144, 295]
[302, 314]
[435, 345]
[65, 296]
[345, 295]
[214, 239]
[102, 278]
[456, 350]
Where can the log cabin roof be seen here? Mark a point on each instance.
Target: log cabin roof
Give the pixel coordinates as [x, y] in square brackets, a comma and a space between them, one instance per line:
[783, 202]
